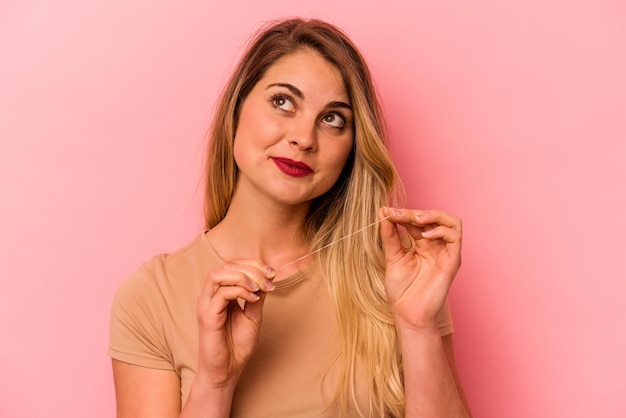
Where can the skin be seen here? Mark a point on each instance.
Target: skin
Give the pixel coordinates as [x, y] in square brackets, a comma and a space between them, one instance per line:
[275, 122]
[417, 281]
[301, 111]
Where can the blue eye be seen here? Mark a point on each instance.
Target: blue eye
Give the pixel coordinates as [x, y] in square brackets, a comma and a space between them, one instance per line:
[334, 120]
[283, 102]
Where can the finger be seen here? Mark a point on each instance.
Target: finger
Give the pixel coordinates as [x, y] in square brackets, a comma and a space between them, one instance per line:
[212, 307]
[254, 310]
[222, 278]
[449, 235]
[392, 243]
[405, 225]
[424, 218]
[258, 271]
[232, 293]
[438, 217]
[261, 266]
[248, 274]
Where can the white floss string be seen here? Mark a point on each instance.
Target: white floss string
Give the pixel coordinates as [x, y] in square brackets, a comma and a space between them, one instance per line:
[328, 245]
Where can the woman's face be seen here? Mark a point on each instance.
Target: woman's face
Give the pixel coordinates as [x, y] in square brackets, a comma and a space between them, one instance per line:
[295, 131]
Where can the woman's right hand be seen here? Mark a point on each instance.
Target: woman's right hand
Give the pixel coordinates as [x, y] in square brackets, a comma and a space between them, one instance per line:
[228, 333]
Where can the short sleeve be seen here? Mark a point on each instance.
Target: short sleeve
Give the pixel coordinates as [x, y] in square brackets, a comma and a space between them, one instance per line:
[444, 320]
[136, 334]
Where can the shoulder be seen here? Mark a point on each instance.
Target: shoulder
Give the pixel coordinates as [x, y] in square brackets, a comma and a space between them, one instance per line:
[164, 282]
[169, 270]
[148, 304]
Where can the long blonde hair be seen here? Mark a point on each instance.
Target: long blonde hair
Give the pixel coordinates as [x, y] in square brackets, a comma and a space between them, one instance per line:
[353, 268]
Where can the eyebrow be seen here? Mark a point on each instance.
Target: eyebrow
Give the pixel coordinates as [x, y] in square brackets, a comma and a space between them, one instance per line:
[300, 95]
[339, 104]
[293, 89]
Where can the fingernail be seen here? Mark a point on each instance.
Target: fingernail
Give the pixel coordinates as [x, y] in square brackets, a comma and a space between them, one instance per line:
[255, 287]
[267, 285]
[427, 233]
[397, 212]
[270, 272]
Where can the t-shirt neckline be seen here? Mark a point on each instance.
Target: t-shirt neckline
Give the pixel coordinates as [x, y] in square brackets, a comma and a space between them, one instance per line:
[286, 282]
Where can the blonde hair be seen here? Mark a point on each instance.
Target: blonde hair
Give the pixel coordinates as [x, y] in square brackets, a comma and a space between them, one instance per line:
[354, 267]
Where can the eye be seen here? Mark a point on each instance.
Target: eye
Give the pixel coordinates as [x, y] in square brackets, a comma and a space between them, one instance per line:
[335, 120]
[283, 102]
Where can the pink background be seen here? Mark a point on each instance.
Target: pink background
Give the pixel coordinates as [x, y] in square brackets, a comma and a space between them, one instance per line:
[511, 116]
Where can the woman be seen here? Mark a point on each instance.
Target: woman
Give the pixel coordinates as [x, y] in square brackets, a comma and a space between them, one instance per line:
[307, 295]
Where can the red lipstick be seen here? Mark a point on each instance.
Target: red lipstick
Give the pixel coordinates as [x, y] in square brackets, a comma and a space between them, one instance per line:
[292, 168]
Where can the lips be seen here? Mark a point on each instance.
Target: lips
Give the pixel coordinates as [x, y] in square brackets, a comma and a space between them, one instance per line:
[292, 168]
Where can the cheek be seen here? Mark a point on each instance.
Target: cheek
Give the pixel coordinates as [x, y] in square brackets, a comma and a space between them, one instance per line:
[257, 130]
[248, 117]
[338, 158]
[249, 133]
[344, 152]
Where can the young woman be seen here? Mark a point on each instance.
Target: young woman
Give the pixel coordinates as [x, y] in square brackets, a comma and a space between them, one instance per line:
[310, 293]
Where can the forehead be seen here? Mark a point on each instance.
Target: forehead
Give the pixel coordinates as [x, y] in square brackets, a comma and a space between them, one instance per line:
[308, 71]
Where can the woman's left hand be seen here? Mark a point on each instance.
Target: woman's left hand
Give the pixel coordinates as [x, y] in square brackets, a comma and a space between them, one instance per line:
[422, 254]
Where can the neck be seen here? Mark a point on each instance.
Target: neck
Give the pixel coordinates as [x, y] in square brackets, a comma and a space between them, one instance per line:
[263, 230]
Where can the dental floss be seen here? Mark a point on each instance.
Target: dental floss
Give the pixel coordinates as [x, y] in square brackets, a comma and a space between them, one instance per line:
[328, 245]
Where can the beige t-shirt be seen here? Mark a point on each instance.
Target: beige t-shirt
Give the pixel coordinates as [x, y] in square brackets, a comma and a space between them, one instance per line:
[291, 373]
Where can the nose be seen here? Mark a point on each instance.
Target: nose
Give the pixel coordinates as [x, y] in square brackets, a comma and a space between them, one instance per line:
[303, 134]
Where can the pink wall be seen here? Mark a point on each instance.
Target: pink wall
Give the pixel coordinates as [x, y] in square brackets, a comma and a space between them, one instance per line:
[512, 116]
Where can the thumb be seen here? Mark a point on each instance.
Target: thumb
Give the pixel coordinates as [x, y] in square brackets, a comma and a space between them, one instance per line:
[390, 235]
[254, 310]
